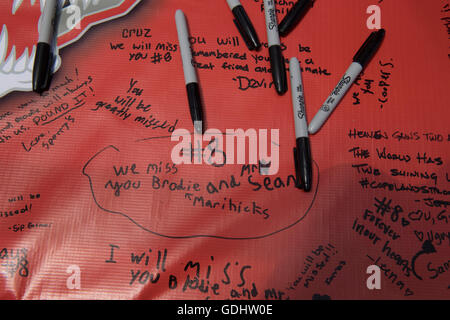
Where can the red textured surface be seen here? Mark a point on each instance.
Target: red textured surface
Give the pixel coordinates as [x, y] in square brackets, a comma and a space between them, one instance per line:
[62, 165]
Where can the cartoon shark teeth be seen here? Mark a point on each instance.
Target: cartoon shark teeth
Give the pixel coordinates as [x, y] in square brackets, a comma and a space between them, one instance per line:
[3, 43]
[16, 68]
[84, 4]
[22, 62]
[15, 73]
[31, 60]
[16, 5]
[10, 64]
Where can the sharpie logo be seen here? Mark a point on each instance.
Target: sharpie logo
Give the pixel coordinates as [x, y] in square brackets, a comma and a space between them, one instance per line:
[301, 107]
[218, 149]
[345, 80]
[18, 48]
[272, 19]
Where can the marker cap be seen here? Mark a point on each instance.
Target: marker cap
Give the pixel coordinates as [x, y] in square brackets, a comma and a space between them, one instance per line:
[303, 164]
[246, 28]
[278, 67]
[369, 47]
[42, 67]
[294, 16]
[195, 106]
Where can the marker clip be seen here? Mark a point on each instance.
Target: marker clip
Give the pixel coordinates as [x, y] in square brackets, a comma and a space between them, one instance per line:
[42, 69]
[369, 47]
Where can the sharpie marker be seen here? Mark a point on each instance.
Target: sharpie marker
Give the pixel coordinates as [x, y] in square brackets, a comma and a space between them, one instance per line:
[360, 60]
[43, 61]
[190, 77]
[302, 152]
[277, 63]
[244, 25]
[294, 16]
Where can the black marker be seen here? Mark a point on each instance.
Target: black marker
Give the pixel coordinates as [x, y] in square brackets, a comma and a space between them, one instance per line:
[360, 60]
[302, 152]
[294, 16]
[190, 75]
[244, 25]
[43, 61]
[277, 63]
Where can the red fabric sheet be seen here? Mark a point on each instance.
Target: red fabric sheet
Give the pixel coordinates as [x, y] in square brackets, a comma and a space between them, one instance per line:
[93, 207]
